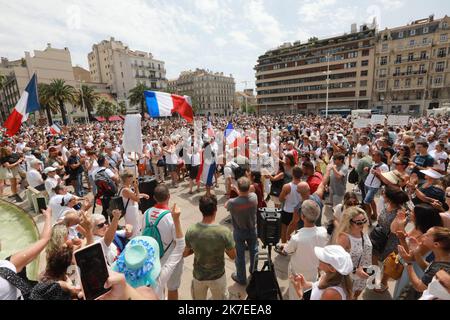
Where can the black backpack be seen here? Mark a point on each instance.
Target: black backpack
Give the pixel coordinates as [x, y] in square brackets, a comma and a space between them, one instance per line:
[353, 177]
[105, 185]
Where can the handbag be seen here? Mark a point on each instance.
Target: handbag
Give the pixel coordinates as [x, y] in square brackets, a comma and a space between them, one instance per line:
[379, 238]
[353, 177]
[392, 266]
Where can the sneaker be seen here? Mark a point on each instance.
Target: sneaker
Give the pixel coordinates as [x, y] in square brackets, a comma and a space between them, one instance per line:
[18, 198]
[235, 279]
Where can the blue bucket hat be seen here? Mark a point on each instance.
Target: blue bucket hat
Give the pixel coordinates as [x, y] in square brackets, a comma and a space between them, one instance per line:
[139, 262]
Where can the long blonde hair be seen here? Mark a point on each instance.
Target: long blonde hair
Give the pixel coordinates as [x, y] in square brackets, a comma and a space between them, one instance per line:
[345, 225]
[335, 279]
[57, 239]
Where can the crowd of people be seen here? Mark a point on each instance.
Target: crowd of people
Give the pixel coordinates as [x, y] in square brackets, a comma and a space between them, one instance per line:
[359, 206]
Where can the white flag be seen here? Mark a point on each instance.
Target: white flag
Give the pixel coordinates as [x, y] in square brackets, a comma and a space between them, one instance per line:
[132, 135]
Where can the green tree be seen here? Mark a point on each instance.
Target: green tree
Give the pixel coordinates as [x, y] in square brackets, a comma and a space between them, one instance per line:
[87, 96]
[137, 97]
[122, 108]
[313, 39]
[106, 109]
[46, 102]
[60, 93]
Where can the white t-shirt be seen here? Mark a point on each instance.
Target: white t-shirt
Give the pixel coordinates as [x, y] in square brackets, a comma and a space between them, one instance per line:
[364, 149]
[301, 246]
[110, 252]
[34, 178]
[20, 146]
[50, 184]
[57, 208]
[166, 228]
[372, 181]
[172, 158]
[439, 158]
[7, 290]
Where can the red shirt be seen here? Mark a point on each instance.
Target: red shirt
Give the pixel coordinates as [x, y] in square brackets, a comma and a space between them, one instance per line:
[314, 181]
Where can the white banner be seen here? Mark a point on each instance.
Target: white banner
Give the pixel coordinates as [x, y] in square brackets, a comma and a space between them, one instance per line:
[361, 123]
[132, 135]
[377, 119]
[398, 120]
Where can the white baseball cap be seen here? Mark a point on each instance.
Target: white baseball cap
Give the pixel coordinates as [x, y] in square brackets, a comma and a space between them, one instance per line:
[49, 169]
[431, 173]
[337, 257]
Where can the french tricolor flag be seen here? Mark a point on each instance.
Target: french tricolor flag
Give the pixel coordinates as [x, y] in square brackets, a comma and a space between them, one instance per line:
[161, 104]
[207, 170]
[231, 135]
[55, 129]
[210, 130]
[27, 103]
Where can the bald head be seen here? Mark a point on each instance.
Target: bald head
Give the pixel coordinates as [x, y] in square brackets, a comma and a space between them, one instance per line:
[303, 188]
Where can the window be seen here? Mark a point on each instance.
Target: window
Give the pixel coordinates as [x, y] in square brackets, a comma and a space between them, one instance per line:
[438, 80]
[444, 25]
[353, 54]
[440, 66]
[396, 83]
[363, 93]
[420, 81]
[422, 69]
[398, 59]
[382, 73]
[411, 56]
[383, 61]
[409, 70]
[400, 34]
[423, 55]
[412, 43]
[364, 73]
[444, 37]
[121, 74]
[425, 29]
[365, 63]
[424, 40]
[381, 84]
[397, 71]
[442, 53]
[363, 83]
[408, 83]
[419, 95]
[385, 47]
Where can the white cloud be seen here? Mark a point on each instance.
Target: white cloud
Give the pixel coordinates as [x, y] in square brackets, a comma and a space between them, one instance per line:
[266, 24]
[391, 4]
[315, 10]
[220, 42]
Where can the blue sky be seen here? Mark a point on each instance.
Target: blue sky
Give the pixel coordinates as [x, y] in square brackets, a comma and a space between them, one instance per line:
[220, 35]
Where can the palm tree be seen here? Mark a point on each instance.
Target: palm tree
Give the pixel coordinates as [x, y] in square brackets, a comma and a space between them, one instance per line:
[46, 102]
[122, 108]
[60, 93]
[106, 109]
[86, 97]
[137, 97]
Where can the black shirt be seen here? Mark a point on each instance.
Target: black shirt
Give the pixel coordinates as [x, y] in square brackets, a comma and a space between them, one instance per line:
[74, 160]
[12, 158]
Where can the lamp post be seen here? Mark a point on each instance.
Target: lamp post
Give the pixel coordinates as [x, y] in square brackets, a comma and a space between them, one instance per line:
[245, 95]
[328, 84]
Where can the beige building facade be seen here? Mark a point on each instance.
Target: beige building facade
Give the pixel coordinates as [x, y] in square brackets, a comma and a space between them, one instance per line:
[48, 64]
[412, 74]
[211, 92]
[293, 77]
[113, 63]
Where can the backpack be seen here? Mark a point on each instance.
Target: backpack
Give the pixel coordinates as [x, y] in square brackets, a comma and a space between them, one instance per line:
[353, 177]
[105, 185]
[24, 286]
[151, 230]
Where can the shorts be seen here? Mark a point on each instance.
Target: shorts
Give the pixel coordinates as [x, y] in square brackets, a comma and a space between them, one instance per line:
[193, 172]
[15, 172]
[286, 217]
[175, 279]
[171, 167]
[370, 194]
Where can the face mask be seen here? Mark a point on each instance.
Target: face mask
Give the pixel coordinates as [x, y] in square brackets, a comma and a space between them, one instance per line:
[436, 289]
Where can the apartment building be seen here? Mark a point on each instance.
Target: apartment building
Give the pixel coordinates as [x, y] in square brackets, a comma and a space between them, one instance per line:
[411, 67]
[113, 63]
[48, 64]
[294, 77]
[211, 92]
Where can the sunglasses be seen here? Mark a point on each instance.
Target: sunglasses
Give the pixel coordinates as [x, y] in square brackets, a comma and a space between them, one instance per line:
[101, 225]
[359, 222]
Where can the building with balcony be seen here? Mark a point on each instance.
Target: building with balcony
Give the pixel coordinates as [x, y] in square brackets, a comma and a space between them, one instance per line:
[411, 67]
[113, 63]
[211, 92]
[294, 77]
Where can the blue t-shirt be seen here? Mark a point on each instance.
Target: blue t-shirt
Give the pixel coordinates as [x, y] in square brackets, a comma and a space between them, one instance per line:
[423, 161]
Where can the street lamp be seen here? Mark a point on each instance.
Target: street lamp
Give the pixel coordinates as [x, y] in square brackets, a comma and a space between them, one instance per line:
[245, 95]
[328, 83]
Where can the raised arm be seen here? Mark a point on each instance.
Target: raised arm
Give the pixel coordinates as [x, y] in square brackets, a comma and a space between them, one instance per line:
[111, 232]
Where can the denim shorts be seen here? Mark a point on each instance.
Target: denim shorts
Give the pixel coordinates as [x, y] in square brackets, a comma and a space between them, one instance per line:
[370, 194]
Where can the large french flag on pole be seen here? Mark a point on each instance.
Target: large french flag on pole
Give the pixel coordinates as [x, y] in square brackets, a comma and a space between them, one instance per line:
[206, 171]
[27, 103]
[162, 104]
